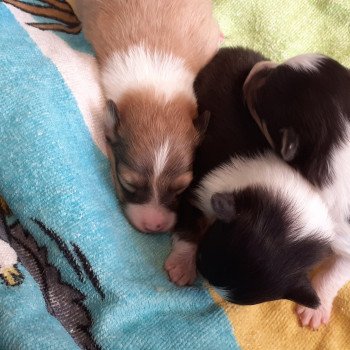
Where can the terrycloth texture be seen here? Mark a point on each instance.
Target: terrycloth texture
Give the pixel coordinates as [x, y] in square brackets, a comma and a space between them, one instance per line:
[85, 278]
[281, 29]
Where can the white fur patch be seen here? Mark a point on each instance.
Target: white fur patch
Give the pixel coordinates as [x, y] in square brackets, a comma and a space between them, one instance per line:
[270, 172]
[337, 195]
[141, 68]
[161, 158]
[308, 62]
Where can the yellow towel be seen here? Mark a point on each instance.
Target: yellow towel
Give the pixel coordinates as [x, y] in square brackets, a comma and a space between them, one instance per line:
[274, 326]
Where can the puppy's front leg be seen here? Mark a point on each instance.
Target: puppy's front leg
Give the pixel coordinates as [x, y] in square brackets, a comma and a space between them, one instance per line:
[181, 263]
[327, 282]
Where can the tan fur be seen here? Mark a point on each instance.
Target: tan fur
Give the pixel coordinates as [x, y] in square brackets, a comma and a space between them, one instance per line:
[184, 28]
[155, 134]
[145, 134]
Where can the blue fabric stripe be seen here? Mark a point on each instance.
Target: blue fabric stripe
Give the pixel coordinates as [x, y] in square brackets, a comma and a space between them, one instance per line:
[51, 170]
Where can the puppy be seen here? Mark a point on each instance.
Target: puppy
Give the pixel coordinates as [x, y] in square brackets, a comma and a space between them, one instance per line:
[303, 108]
[260, 226]
[149, 54]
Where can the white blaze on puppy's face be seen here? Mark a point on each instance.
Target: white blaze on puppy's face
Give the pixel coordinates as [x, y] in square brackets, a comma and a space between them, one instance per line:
[160, 158]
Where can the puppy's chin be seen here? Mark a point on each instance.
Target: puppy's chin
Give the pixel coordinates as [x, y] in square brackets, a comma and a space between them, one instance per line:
[150, 218]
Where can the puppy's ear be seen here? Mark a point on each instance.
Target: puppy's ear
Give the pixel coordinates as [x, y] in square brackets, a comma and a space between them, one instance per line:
[303, 293]
[112, 121]
[201, 123]
[256, 79]
[224, 206]
[289, 144]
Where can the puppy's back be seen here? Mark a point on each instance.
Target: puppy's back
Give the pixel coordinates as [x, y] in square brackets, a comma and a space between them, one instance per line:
[183, 28]
[231, 131]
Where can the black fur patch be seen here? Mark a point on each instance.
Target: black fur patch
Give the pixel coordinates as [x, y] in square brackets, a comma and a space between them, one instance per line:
[316, 105]
[254, 258]
[231, 130]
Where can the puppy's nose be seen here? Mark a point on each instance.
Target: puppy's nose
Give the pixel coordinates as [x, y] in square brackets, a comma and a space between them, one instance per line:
[154, 227]
[156, 221]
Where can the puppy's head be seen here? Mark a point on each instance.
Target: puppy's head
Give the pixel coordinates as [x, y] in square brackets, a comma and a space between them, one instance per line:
[260, 249]
[301, 106]
[152, 144]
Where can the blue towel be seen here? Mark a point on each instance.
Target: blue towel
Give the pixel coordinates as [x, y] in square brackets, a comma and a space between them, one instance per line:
[74, 273]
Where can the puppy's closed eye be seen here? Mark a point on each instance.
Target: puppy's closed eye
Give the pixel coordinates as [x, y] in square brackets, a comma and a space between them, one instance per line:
[126, 185]
[129, 179]
[181, 183]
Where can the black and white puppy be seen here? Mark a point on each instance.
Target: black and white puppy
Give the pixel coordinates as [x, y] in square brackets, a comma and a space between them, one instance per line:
[303, 108]
[265, 227]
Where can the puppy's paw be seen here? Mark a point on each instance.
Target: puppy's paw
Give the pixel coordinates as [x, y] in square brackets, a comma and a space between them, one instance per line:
[181, 269]
[313, 318]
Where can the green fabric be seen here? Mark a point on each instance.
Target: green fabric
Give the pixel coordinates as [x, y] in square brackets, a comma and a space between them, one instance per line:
[281, 29]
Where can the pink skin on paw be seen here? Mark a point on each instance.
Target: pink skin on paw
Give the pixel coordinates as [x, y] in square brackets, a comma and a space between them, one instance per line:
[180, 271]
[313, 318]
[181, 263]
[327, 282]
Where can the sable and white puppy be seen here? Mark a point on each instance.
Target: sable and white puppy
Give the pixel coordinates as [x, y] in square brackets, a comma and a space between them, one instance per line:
[268, 227]
[149, 53]
[303, 108]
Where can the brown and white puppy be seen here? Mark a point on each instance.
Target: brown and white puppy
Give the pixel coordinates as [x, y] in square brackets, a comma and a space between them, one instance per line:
[149, 53]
